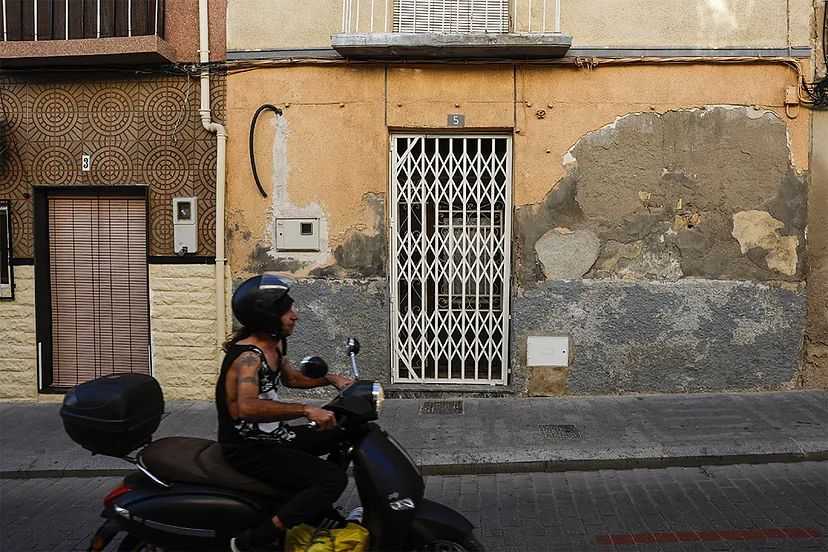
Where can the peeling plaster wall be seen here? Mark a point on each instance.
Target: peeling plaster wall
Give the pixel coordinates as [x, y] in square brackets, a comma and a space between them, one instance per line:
[672, 187]
[705, 193]
[324, 158]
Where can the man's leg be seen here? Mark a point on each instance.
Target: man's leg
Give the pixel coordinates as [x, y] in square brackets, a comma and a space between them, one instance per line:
[316, 483]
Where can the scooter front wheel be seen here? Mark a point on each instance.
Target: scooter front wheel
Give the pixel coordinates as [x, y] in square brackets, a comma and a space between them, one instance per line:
[134, 544]
[468, 544]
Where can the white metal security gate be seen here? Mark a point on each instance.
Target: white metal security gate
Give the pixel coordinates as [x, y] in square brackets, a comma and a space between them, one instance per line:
[450, 258]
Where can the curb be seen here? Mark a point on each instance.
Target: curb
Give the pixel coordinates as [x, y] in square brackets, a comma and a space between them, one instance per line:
[545, 466]
[542, 466]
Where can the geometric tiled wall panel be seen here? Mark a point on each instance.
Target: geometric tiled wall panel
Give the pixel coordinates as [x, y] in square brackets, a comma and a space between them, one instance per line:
[139, 130]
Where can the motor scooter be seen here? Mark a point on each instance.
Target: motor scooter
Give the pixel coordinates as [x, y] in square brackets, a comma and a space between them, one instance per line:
[184, 496]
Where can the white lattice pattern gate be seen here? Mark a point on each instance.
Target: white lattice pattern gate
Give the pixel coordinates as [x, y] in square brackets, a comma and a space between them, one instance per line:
[450, 245]
[451, 16]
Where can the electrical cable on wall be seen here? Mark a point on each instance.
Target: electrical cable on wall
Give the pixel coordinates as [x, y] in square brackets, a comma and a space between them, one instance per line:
[265, 107]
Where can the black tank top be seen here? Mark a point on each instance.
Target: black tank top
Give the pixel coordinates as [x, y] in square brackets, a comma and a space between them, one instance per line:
[238, 430]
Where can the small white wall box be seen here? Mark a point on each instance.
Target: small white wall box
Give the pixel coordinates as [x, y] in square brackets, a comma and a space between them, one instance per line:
[547, 350]
[185, 225]
[297, 234]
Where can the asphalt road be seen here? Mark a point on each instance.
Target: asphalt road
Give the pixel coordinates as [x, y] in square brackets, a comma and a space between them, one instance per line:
[771, 507]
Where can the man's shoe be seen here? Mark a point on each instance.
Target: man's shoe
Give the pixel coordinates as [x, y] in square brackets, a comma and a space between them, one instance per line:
[242, 544]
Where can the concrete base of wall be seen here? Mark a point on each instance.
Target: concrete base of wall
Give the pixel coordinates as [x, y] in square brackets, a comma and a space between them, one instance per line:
[686, 336]
[331, 311]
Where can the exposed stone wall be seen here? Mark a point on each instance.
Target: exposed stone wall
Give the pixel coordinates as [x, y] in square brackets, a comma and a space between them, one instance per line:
[183, 320]
[18, 361]
[704, 193]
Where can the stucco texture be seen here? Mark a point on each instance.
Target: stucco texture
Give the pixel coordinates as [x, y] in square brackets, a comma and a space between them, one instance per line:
[815, 373]
[324, 158]
[285, 24]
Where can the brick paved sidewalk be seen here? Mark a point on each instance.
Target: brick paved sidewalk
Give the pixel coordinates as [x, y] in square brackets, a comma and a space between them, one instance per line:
[503, 435]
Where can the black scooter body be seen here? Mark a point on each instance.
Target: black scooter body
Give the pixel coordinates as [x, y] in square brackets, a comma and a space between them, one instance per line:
[390, 487]
[190, 512]
[194, 517]
[187, 516]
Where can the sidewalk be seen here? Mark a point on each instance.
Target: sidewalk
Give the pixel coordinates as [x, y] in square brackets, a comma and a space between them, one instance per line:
[501, 435]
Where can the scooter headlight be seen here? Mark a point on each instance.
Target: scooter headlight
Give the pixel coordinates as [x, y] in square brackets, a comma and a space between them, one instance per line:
[378, 394]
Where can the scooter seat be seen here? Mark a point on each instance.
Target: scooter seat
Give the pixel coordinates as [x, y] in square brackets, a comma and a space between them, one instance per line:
[199, 461]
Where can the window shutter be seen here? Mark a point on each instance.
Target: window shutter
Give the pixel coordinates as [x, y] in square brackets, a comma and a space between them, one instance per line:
[451, 16]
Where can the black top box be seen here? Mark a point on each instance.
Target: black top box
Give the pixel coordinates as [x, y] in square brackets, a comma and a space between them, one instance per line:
[114, 414]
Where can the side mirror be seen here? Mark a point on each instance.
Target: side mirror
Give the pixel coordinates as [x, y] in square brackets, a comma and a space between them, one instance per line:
[352, 346]
[313, 367]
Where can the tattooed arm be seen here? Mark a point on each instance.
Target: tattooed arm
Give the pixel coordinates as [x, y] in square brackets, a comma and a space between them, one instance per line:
[254, 409]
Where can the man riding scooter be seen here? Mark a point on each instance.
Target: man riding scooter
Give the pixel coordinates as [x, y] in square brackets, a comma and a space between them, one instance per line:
[251, 427]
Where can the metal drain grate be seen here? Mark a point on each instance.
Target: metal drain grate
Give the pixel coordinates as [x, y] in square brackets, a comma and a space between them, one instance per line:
[565, 432]
[441, 407]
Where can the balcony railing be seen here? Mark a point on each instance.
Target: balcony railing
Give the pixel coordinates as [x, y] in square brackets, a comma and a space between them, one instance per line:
[27, 20]
[451, 16]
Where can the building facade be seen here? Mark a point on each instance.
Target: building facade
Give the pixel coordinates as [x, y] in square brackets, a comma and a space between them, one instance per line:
[101, 133]
[497, 197]
[537, 198]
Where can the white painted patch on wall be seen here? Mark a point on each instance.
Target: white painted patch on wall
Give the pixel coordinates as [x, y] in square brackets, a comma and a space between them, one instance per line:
[281, 207]
[720, 14]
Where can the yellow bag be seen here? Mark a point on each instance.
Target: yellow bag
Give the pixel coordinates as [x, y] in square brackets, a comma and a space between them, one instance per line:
[304, 538]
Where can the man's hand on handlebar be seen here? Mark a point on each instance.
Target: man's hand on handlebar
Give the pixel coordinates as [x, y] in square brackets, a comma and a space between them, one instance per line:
[338, 381]
[324, 419]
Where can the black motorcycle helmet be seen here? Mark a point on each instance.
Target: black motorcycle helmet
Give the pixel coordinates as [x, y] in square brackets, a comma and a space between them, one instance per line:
[260, 301]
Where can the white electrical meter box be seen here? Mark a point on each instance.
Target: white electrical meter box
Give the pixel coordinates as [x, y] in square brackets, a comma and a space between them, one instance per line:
[185, 225]
[297, 234]
[547, 350]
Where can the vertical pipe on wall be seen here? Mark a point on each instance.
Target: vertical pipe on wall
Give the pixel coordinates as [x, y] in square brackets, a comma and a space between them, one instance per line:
[129, 17]
[35, 20]
[5, 27]
[66, 17]
[543, 29]
[557, 16]
[221, 150]
[98, 17]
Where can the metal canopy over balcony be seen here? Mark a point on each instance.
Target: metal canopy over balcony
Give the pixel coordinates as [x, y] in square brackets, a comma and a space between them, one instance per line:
[437, 45]
[61, 32]
[444, 29]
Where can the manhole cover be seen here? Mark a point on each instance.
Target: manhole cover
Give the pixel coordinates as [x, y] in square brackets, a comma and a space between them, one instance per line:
[441, 407]
[565, 432]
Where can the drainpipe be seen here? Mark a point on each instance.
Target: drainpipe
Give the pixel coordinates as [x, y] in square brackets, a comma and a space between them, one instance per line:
[221, 151]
